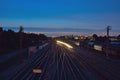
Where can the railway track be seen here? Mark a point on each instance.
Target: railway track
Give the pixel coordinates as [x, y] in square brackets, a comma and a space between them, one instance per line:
[58, 62]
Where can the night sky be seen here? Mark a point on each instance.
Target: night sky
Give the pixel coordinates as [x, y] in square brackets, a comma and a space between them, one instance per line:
[78, 14]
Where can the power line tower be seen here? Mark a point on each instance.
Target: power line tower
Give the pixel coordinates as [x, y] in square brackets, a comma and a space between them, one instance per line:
[108, 29]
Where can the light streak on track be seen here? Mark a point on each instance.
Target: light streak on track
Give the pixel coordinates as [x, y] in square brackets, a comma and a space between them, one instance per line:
[66, 44]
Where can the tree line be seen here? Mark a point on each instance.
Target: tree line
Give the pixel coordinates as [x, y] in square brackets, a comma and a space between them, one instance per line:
[11, 40]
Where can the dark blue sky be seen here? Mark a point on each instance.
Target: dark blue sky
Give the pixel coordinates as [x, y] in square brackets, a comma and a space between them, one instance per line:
[82, 14]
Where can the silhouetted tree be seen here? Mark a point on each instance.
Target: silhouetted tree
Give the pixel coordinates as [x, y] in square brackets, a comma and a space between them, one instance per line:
[95, 36]
[1, 29]
[1, 40]
[118, 37]
[21, 29]
[10, 40]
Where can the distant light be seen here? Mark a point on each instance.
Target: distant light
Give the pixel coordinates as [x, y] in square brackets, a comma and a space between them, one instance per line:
[77, 43]
[69, 46]
[53, 36]
[98, 47]
[37, 71]
[76, 38]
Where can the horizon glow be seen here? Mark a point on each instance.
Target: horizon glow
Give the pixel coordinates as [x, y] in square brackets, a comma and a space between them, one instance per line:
[60, 14]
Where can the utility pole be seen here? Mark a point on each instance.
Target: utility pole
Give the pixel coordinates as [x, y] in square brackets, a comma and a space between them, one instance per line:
[20, 42]
[108, 28]
[21, 36]
[107, 46]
